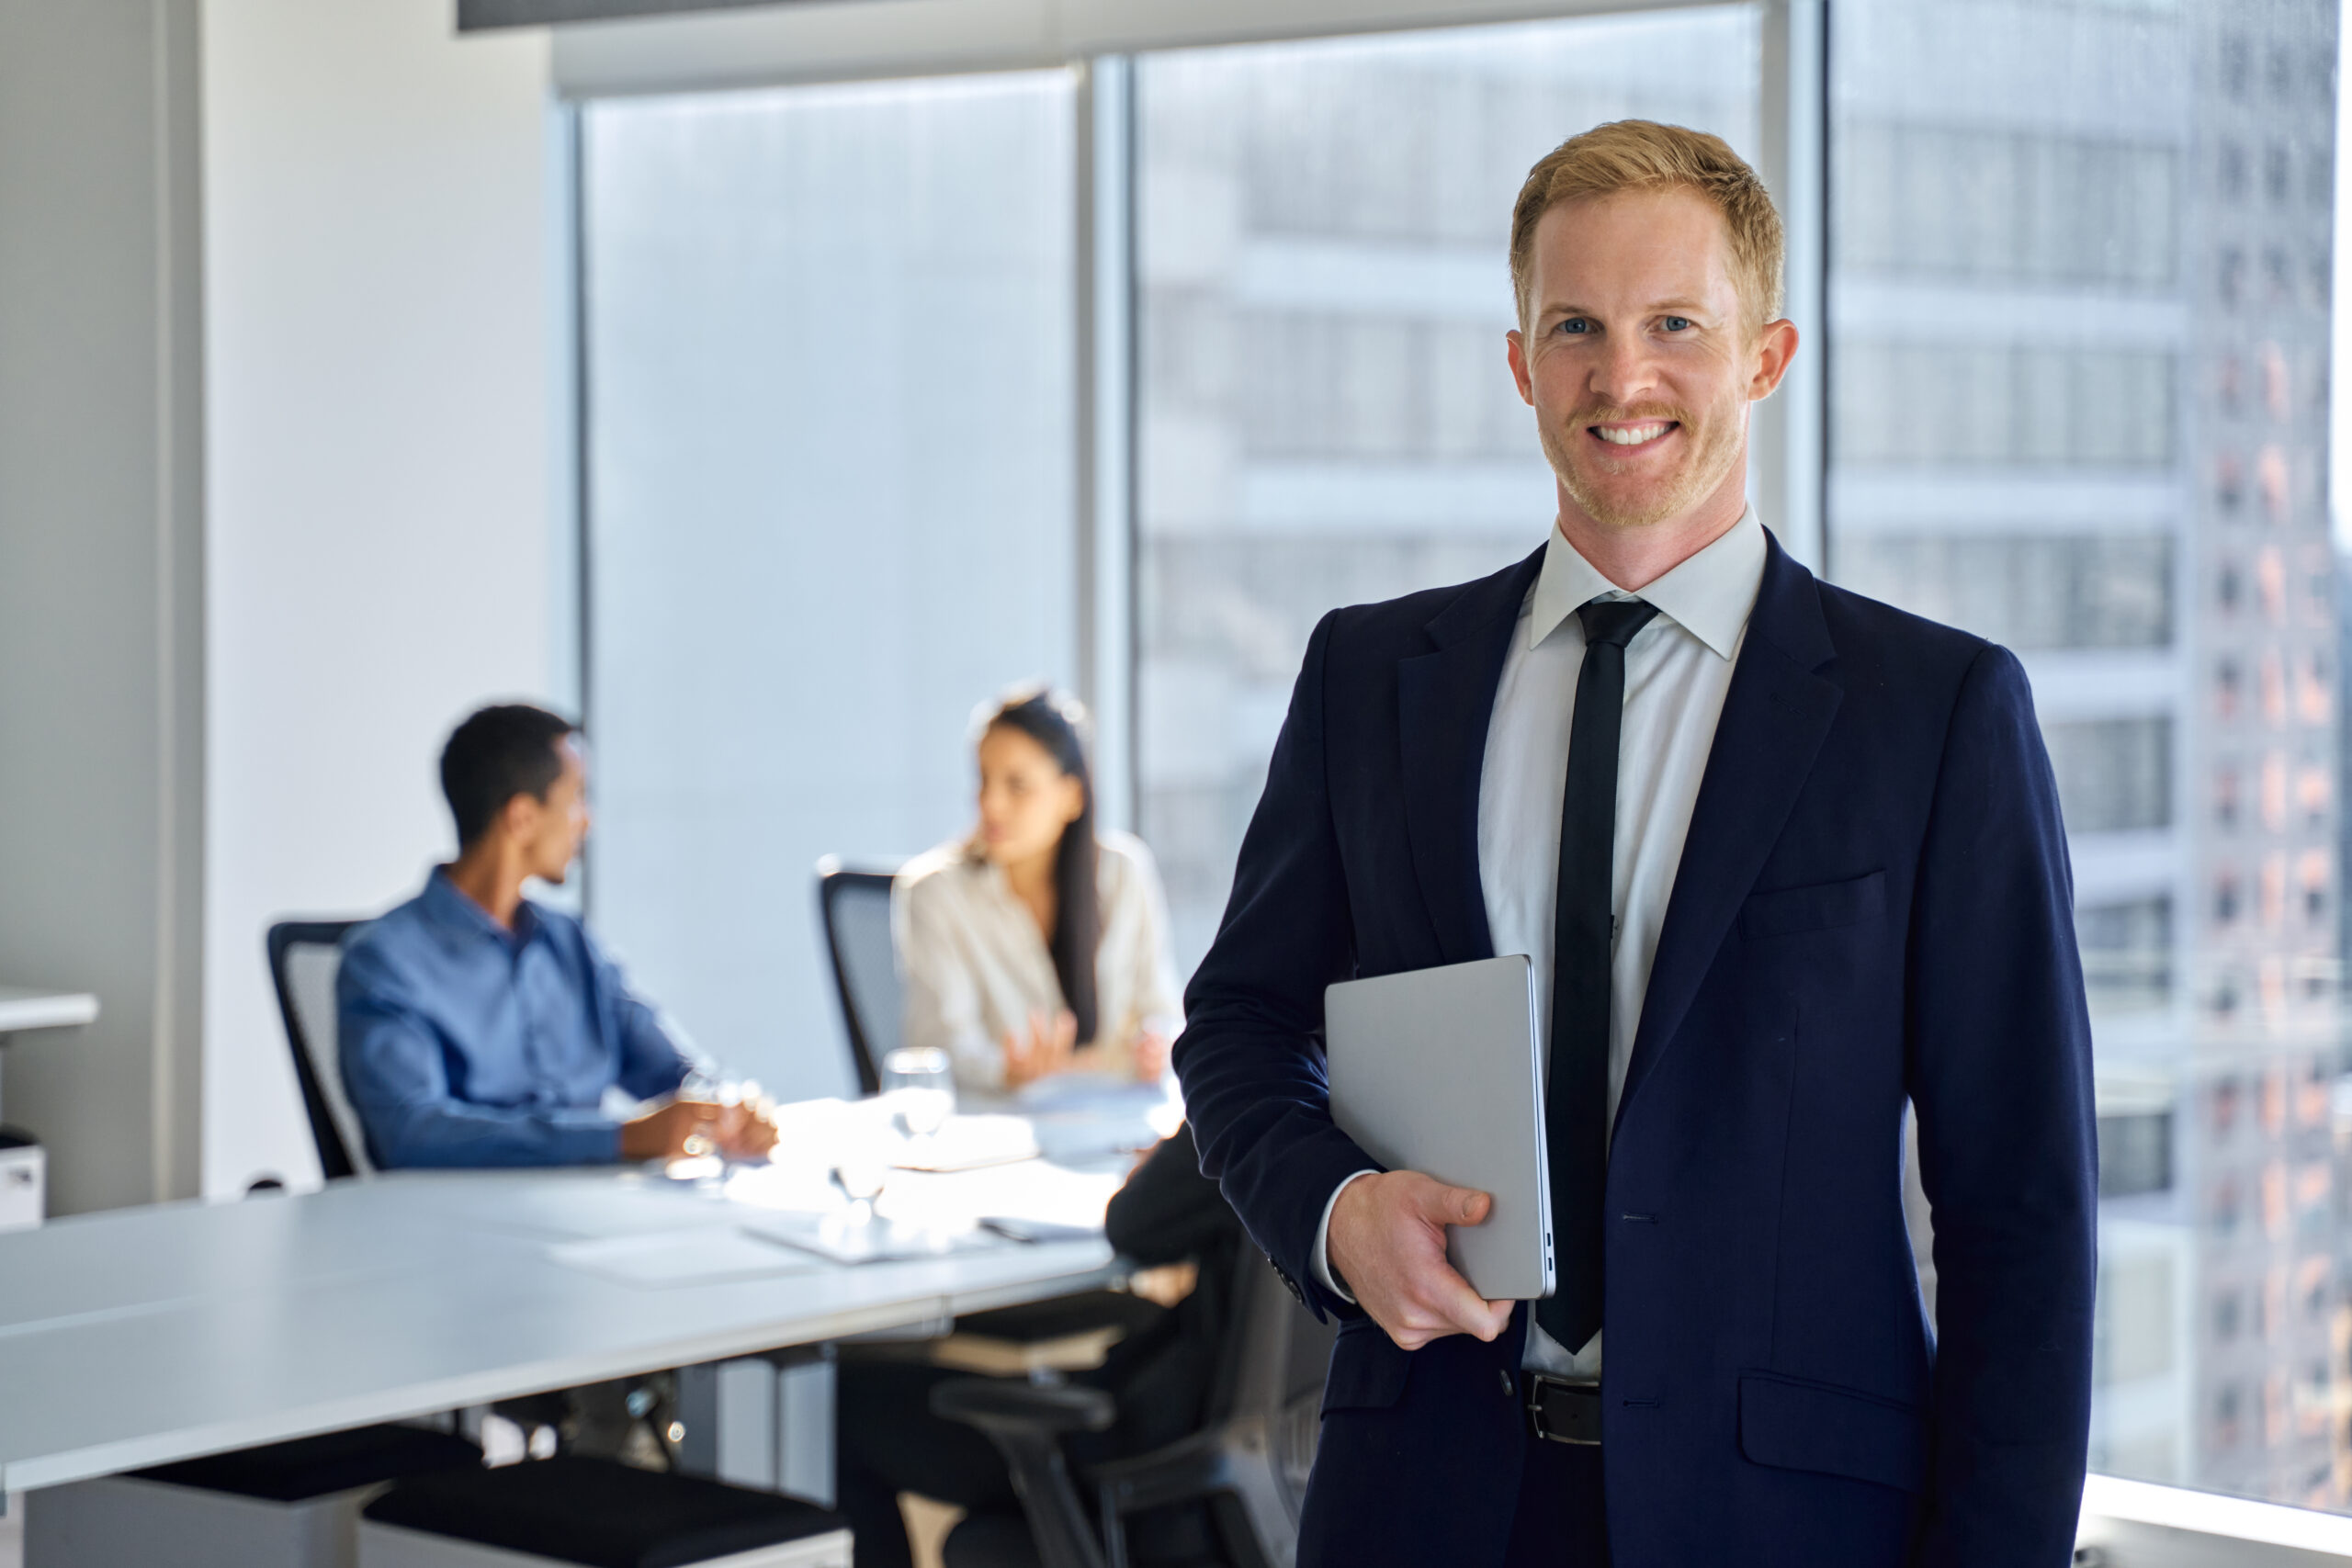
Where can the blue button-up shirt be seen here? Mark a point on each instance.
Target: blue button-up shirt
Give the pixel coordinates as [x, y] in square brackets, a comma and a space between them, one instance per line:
[464, 1044]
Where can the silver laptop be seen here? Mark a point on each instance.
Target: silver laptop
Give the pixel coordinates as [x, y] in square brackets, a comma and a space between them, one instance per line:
[1438, 1071]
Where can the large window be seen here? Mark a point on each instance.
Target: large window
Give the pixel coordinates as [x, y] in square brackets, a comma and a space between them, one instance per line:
[868, 369]
[829, 369]
[2079, 302]
[1325, 415]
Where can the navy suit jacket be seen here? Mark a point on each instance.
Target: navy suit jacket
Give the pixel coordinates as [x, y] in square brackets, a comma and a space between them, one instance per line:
[1873, 904]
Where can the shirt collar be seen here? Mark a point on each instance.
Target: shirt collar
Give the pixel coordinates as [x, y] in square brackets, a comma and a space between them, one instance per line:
[1709, 595]
[454, 911]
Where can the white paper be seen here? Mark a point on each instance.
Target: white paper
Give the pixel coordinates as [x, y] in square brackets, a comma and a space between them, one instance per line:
[846, 1236]
[681, 1258]
[970, 1143]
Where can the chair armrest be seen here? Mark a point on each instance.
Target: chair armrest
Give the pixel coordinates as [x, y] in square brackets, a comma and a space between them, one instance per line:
[1025, 1421]
[1185, 1470]
[997, 1405]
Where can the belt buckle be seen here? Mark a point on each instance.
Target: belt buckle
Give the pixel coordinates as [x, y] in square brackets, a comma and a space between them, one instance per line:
[1563, 1410]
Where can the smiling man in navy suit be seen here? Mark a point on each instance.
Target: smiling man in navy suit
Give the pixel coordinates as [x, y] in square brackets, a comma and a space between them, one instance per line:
[1787, 860]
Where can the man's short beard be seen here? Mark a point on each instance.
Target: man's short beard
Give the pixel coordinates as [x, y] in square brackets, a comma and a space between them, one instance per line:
[1705, 470]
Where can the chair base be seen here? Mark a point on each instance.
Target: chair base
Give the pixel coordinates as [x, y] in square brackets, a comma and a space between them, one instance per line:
[121, 1522]
[389, 1546]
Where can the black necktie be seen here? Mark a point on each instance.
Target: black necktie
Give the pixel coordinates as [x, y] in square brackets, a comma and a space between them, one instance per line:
[1576, 1095]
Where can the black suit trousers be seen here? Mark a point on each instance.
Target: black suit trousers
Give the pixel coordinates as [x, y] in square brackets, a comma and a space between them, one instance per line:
[1562, 1520]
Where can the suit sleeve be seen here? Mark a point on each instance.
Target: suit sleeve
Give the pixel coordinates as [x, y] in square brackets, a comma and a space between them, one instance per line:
[1251, 1055]
[2000, 1075]
[1168, 1211]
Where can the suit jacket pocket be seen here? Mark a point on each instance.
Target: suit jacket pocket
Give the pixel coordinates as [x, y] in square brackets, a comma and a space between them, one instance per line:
[1795, 1425]
[1819, 908]
[1368, 1370]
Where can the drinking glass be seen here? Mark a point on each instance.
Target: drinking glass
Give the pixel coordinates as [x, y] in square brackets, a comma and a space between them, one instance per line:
[916, 1082]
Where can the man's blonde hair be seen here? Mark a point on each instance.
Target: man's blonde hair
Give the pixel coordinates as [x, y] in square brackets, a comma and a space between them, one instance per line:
[1641, 155]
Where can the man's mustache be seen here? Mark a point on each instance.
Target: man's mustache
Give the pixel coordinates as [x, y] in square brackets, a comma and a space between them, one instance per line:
[1609, 413]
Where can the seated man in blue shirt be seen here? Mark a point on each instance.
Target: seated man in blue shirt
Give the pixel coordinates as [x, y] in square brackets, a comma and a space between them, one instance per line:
[480, 1029]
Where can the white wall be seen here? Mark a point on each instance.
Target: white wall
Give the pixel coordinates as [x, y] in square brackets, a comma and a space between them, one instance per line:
[101, 608]
[378, 383]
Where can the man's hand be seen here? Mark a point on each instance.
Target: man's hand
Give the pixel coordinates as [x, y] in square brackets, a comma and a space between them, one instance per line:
[737, 1131]
[1047, 1047]
[1386, 1243]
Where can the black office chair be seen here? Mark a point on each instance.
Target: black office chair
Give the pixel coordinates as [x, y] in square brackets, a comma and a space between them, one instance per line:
[854, 907]
[303, 958]
[1249, 1460]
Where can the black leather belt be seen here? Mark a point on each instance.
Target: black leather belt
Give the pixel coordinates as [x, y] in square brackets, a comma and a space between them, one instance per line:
[1563, 1410]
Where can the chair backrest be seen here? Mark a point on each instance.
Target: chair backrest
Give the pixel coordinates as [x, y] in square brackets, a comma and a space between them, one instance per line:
[304, 956]
[854, 907]
[1268, 1401]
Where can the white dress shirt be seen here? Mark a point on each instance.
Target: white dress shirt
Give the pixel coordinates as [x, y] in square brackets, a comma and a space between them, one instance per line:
[1677, 670]
[975, 966]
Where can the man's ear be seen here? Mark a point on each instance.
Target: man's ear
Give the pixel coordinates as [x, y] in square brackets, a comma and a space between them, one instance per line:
[519, 815]
[1515, 351]
[1776, 350]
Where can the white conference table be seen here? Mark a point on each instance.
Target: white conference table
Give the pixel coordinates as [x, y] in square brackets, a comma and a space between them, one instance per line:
[145, 1335]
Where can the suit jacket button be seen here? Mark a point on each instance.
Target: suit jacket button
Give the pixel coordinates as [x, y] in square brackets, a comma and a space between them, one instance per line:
[1505, 1373]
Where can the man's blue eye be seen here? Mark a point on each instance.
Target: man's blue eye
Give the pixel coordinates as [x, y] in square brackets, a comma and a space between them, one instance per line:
[1576, 325]
[1676, 324]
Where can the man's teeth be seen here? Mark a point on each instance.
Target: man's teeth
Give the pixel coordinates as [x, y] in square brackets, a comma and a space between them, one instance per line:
[1630, 436]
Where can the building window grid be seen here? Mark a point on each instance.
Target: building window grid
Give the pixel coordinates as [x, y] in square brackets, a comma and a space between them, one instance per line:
[2237, 419]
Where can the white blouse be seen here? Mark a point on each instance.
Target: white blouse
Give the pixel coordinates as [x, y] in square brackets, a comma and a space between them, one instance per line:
[976, 966]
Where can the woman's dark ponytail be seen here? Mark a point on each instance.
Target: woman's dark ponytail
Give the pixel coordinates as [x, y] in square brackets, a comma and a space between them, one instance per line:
[1057, 723]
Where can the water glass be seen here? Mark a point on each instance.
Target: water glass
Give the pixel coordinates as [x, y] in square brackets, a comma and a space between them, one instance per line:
[917, 1082]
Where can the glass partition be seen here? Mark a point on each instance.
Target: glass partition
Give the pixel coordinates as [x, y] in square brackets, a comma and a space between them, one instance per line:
[830, 392]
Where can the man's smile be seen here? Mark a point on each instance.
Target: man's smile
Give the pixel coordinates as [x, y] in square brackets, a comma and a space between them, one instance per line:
[1634, 435]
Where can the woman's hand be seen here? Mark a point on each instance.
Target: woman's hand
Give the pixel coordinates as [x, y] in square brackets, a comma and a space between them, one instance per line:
[1149, 1057]
[1047, 1047]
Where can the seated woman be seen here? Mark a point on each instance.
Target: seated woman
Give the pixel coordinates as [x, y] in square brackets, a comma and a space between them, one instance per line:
[1036, 944]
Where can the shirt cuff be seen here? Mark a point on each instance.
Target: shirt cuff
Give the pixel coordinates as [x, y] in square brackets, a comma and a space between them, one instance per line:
[1323, 1275]
[584, 1137]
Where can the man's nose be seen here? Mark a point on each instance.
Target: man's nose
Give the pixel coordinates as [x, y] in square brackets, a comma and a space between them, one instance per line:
[1624, 372]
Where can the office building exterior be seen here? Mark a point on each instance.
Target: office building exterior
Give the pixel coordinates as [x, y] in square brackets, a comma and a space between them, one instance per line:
[2079, 404]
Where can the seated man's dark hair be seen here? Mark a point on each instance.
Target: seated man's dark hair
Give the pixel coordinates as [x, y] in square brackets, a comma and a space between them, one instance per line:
[496, 754]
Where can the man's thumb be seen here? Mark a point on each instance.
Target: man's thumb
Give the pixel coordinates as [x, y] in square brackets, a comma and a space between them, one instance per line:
[1462, 1205]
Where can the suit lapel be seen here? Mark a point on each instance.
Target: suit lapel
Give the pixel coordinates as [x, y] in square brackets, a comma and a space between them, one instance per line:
[1444, 700]
[1775, 716]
